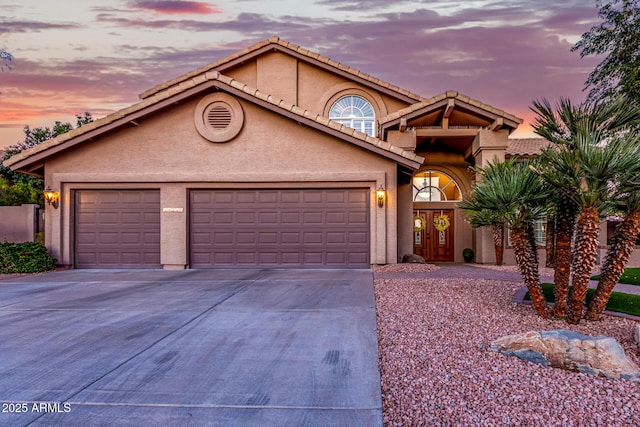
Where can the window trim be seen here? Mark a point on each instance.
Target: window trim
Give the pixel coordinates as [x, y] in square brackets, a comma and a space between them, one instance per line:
[439, 189]
[349, 121]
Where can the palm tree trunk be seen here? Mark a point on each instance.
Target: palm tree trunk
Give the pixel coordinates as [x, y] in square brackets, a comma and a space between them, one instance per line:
[498, 242]
[587, 228]
[527, 260]
[566, 220]
[618, 255]
[550, 243]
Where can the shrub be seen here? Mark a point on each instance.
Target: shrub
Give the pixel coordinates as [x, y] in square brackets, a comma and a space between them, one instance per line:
[27, 257]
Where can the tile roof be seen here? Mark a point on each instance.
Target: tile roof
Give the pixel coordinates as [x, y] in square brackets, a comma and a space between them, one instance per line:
[128, 114]
[450, 94]
[282, 45]
[526, 146]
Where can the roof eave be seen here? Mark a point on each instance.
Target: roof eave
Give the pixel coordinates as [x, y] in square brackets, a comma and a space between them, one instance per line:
[25, 162]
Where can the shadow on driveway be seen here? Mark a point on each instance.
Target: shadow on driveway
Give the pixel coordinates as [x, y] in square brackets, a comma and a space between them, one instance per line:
[190, 347]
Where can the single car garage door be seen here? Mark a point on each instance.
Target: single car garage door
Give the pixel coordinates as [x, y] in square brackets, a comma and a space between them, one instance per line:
[117, 229]
[310, 228]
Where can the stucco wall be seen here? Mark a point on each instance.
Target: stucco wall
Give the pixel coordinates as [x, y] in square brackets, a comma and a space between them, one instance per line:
[166, 152]
[306, 85]
[18, 223]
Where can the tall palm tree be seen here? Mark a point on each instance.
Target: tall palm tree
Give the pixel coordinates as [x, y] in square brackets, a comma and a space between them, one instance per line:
[623, 242]
[516, 197]
[582, 163]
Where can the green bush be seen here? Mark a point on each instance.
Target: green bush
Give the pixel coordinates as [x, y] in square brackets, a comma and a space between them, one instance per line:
[27, 257]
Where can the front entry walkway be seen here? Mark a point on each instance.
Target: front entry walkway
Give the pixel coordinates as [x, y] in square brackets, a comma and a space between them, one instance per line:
[190, 347]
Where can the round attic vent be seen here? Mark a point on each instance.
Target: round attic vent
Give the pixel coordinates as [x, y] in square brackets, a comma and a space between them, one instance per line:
[219, 117]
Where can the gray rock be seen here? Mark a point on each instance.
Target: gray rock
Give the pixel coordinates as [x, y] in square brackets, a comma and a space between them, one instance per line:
[413, 259]
[637, 335]
[602, 356]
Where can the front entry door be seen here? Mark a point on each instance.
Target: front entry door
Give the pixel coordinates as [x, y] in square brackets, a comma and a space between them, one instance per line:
[435, 242]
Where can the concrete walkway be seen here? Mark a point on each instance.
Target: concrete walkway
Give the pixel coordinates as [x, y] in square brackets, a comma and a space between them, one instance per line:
[189, 348]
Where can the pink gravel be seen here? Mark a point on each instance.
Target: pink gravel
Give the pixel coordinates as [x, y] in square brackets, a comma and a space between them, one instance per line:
[438, 370]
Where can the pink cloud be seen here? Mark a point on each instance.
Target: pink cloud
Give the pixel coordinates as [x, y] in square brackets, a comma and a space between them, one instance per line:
[169, 7]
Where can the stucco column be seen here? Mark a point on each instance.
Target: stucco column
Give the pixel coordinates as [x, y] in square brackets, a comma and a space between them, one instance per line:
[405, 219]
[488, 147]
[173, 226]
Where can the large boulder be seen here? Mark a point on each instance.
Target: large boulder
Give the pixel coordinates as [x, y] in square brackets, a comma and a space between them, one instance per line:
[413, 259]
[570, 350]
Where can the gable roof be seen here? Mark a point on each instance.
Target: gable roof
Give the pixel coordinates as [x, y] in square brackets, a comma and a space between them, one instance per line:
[32, 159]
[277, 44]
[455, 99]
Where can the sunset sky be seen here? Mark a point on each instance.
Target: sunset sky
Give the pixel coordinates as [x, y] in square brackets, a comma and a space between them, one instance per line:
[73, 56]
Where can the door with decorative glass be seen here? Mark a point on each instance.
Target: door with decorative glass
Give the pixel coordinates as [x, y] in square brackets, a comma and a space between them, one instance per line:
[433, 234]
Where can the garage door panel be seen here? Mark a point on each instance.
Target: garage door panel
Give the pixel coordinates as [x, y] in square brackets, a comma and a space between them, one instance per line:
[358, 218]
[336, 197]
[355, 238]
[290, 218]
[284, 227]
[223, 217]
[117, 229]
[312, 218]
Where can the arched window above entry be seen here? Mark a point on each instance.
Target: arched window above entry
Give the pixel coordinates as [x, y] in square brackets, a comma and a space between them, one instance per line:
[355, 112]
[434, 186]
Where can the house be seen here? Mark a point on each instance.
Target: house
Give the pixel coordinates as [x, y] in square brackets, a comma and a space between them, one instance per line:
[274, 156]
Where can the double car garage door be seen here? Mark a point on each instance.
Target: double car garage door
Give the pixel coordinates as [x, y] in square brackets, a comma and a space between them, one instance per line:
[297, 228]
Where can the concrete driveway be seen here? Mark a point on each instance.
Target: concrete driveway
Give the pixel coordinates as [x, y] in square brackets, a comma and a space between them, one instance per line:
[189, 347]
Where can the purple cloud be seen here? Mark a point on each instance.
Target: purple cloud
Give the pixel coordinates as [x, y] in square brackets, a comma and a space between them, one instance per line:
[9, 26]
[167, 7]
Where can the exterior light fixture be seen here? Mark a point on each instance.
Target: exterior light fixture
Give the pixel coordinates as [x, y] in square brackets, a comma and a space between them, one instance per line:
[52, 197]
[380, 194]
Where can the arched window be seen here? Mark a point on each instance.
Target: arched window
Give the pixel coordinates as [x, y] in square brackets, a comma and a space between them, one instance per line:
[434, 186]
[355, 112]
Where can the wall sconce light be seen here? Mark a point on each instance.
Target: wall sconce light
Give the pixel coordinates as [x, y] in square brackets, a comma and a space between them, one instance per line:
[52, 197]
[380, 193]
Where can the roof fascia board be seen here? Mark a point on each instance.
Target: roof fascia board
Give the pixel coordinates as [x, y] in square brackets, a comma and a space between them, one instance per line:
[320, 64]
[416, 113]
[123, 121]
[113, 125]
[321, 127]
[459, 104]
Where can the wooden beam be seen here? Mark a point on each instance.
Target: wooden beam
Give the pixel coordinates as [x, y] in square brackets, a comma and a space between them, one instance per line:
[403, 124]
[497, 124]
[449, 109]
[446, 133]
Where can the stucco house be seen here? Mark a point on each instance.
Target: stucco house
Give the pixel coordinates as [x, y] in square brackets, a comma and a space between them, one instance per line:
[274, 156]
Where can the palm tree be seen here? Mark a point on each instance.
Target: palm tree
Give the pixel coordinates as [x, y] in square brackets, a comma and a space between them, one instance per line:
[584, 163]
[585, 168]
[510, 193]
[479, 216]
[621, 246]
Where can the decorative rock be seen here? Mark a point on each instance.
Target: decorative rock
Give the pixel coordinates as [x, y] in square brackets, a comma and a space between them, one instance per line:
[570, 350]
[638, 335]
[413, 259]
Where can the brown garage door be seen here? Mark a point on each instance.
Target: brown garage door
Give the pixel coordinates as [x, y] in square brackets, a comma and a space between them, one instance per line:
[311, 228]
[117, 229]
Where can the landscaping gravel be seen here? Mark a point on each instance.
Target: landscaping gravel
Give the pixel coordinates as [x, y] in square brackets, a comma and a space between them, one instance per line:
[438, 370]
